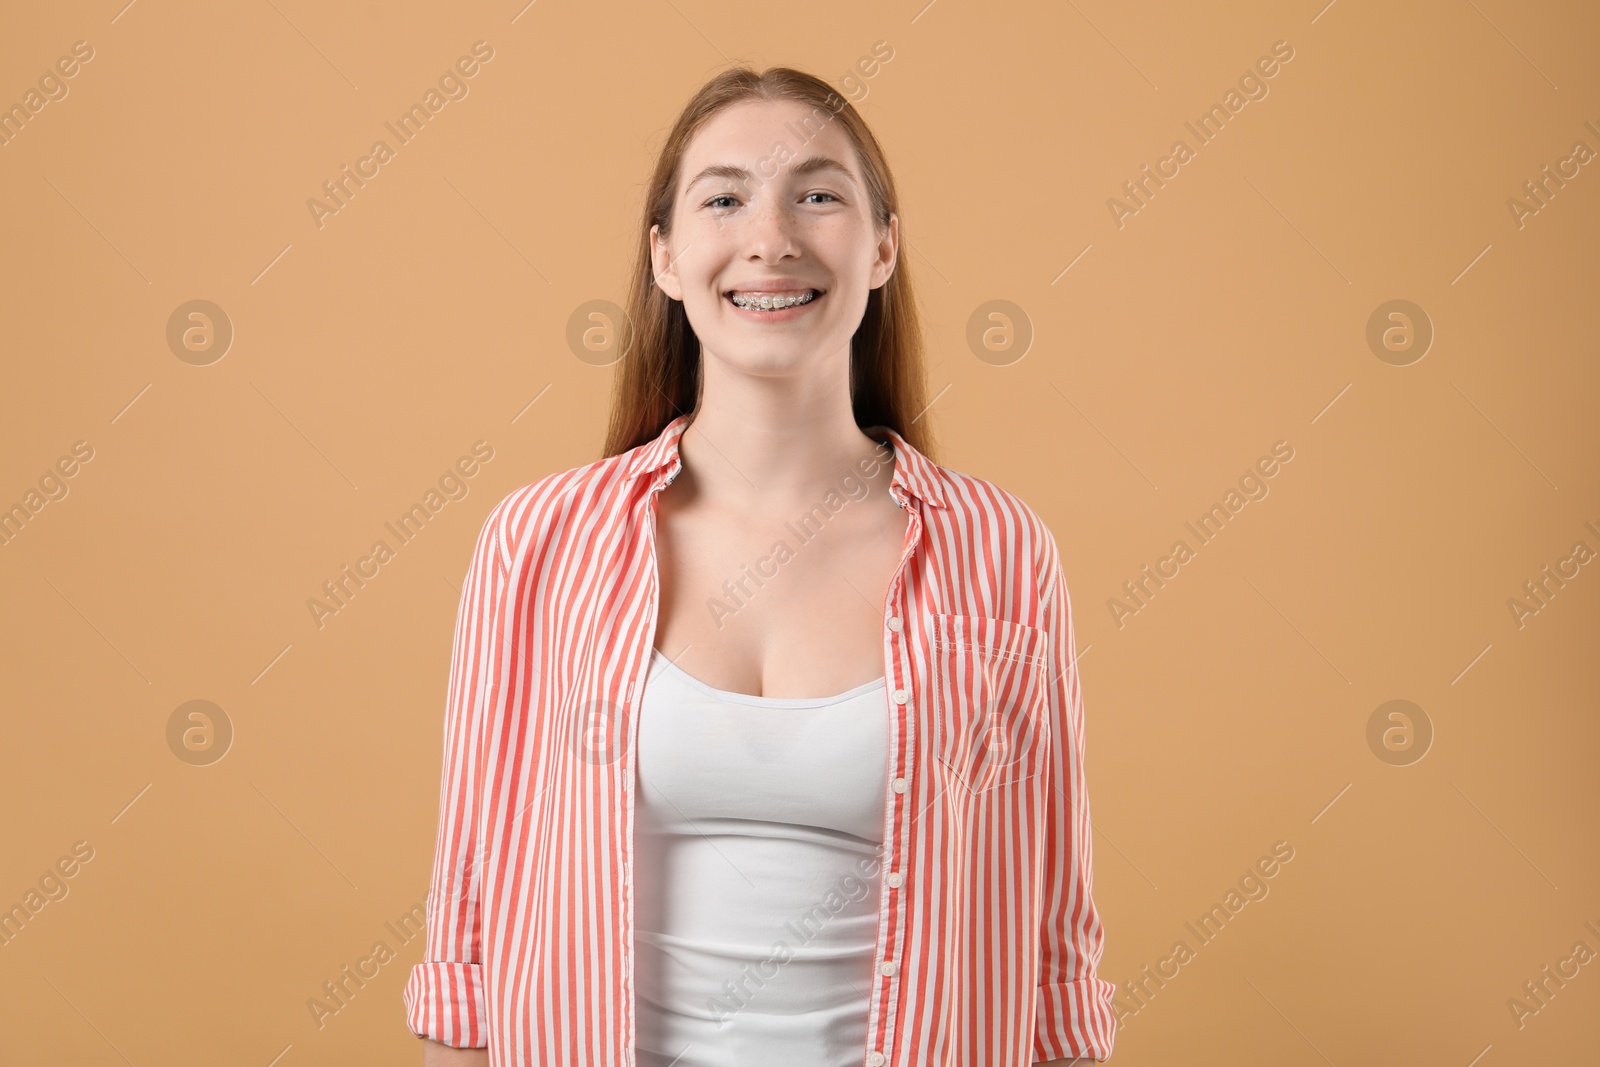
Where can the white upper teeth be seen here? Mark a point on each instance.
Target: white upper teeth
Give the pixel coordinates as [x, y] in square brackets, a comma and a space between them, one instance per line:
[767, 303]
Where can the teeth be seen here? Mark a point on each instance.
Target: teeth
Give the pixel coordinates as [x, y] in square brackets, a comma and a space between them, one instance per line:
[768, 302]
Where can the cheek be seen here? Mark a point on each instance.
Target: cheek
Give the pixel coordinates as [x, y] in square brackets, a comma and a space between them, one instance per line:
[704, 310]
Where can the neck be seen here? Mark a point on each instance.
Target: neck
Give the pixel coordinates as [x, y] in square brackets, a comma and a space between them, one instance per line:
[760, 444]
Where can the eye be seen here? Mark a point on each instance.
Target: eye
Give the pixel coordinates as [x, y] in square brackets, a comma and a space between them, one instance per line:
[714, 202]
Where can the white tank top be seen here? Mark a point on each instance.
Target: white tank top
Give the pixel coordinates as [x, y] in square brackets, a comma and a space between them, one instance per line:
[758, 823]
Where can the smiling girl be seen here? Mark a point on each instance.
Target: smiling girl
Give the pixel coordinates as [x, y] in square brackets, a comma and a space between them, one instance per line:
[845, 824]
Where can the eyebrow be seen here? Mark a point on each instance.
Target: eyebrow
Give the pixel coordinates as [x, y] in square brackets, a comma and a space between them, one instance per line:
[809, 165]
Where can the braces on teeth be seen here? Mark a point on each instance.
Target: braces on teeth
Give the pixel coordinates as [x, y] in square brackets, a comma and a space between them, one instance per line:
[769, 303]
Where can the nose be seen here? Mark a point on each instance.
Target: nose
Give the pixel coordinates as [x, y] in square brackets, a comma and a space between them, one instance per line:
[770, 228]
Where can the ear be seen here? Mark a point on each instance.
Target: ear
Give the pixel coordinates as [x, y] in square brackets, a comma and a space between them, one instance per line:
[888, 253]
[661, 260]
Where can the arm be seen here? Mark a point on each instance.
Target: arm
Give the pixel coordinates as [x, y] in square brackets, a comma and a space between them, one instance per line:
[1074, 1021]
[437, 1055]
[444, 996]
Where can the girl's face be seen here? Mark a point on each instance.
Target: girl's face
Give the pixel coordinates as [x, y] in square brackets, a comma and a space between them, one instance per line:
[767, 202]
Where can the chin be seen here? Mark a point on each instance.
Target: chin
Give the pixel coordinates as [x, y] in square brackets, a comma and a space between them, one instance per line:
[769, 358]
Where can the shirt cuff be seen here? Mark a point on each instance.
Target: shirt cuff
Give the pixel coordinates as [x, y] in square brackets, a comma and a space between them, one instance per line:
[1075, 1019]
[444, 1001]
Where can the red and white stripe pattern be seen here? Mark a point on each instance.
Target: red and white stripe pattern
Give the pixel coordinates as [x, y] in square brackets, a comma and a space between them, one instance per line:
[988, 937]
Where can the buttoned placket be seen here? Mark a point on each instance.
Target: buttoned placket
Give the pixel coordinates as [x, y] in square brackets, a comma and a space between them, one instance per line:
[635, 694]
[897, 668]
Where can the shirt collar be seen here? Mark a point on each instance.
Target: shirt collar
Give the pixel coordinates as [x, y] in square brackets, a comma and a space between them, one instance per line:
[914, 473]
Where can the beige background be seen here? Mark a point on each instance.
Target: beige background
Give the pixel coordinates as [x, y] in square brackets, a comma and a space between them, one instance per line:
[1228, 313]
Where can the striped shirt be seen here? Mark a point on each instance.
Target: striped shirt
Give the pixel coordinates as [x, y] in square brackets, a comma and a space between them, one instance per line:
[987, 937]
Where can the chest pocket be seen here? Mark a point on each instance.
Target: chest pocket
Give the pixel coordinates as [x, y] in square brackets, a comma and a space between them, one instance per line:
[991, 702]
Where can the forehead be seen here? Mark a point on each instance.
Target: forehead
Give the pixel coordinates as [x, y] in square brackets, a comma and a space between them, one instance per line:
[759, 135]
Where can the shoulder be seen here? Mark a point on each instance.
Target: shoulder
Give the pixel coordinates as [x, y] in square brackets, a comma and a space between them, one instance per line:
[996, 528]
[537, 512]
[982, 507]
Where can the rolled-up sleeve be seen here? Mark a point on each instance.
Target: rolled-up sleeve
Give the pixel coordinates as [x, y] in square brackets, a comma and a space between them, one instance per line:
[1074, 1014]
[444, 995]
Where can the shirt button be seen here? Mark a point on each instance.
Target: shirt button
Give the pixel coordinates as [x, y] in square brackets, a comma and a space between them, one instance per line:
[899, 696]
[894, 623]
[899, 785]
[895, 880]
[876, 1059]
[887, 968]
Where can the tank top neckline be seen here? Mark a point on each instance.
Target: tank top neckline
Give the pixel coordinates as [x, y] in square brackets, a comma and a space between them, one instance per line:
[765, 702]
